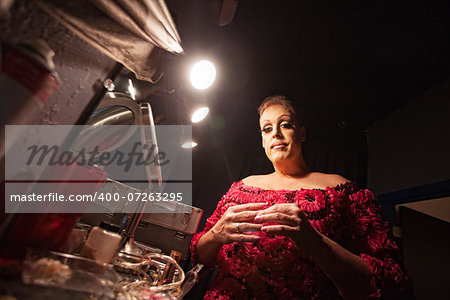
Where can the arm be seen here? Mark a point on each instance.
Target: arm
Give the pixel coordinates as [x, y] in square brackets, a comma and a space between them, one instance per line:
[366, 262]
[221, 228]
[208, 248]
[349, 272]
[368, 236]
[210, 222]
[231, 227]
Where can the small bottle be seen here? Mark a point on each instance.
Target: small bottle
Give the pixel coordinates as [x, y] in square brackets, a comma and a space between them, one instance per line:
[102, 243]
[169, 270]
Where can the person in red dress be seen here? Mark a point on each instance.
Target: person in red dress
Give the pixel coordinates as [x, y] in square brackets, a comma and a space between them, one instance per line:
[295, 233]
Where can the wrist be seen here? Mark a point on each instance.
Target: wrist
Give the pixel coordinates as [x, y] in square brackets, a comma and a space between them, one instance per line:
[207, 249]
[214, 238]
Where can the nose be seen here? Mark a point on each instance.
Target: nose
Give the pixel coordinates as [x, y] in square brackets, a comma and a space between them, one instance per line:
[277, 132]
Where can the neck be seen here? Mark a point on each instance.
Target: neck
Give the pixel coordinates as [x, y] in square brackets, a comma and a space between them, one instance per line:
[291, 169]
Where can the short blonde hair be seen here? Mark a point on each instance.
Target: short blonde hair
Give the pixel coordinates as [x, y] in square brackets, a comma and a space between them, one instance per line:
[278, 100]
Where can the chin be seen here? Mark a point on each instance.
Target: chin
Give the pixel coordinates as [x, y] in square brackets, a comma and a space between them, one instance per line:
[277, 157]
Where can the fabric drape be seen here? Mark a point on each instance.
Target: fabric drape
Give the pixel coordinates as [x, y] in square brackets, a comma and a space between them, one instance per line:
[126, 31]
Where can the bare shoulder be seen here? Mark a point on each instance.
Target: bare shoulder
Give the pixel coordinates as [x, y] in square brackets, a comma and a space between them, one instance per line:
[330, 180]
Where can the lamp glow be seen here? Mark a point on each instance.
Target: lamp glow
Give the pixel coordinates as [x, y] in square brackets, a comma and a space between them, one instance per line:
[131, 89]
[199, 114]
[203, 74]
[188, 145]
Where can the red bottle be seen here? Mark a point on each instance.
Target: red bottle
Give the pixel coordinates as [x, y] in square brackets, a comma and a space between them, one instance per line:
[48, 230]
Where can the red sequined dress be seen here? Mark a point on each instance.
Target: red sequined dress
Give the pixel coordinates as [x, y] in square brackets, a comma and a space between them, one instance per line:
[274, 268]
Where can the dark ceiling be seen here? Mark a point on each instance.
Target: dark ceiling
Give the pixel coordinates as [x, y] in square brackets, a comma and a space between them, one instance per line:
[351, 61]
[345, 63]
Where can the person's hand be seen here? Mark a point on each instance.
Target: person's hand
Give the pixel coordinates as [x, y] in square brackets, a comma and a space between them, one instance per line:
[289, 220]
[236, 224]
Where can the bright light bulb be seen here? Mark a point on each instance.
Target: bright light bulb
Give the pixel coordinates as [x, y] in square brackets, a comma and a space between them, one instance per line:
[199, 114]
[188, 145]
[203, 74]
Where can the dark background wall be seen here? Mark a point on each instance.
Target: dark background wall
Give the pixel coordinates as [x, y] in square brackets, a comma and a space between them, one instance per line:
[410, 147]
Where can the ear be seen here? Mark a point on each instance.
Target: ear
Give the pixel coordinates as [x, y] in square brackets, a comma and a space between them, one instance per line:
[302, 134]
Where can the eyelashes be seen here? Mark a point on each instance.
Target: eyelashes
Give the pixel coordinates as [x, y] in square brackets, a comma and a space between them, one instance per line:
[285, 125]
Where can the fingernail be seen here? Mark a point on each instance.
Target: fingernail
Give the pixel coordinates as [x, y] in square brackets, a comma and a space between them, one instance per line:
[257, 237]
[264, 204]
[264, 228]
[257, 218]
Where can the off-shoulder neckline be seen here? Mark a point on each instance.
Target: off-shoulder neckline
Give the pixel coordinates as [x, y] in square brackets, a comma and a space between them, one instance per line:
[251, 187]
